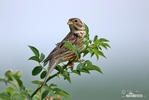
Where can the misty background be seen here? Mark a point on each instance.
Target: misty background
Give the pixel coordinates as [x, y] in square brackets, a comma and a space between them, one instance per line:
[44, 23]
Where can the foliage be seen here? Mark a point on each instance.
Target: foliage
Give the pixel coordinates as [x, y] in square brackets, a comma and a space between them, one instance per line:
[17, 91]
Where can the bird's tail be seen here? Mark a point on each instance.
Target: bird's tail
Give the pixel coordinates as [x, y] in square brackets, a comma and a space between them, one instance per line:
[52, 65]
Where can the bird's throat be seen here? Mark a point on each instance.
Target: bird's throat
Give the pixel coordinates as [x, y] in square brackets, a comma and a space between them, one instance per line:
[80, 33]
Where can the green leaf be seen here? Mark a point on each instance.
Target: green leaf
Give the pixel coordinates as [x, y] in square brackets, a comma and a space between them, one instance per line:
[73, 48]
[42, 56]
[18, 74]
[87, 33]
[52, 93]
[36, 97]
[37, 82]
[35, 58]
[61, 92]
[27, 96]
[90, 66]
[92, 54]
[35, 51]
[95, 38]
[52, 85]
[96, 53]
[14, 83]
[107, 45]
[103, 40]
[9, 74]
[80, 66]
[86, 29]
[18, 96]
[76, 72]
[36, 70]
[85, 52]
[90, 49]
[68, 79]
[5, 96]
[97, 68]
[10, 90]
[29, 90]
[45, 63]
[59, 68]
[101, 54]
[65, 73]
[69, 45]
[85, 43]
[2, 80]
[85, 70]
[20, 83]
[43, 74]
[44, 94]
[66, 76]
[103, 45]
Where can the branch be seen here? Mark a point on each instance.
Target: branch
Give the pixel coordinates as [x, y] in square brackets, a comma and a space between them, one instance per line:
[50, 77]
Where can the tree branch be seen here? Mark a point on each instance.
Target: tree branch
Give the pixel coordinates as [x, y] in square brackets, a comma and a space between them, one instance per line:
[50, 77]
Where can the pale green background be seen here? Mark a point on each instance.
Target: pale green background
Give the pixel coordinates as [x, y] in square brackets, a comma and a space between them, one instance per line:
[42, 23]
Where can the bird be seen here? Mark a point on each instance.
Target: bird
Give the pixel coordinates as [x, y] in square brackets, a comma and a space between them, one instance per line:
[61, 53]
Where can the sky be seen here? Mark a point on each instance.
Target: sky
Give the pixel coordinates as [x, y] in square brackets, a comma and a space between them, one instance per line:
[44, 23]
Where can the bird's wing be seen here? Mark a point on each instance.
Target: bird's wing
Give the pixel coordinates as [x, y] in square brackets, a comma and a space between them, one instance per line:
[60, 50]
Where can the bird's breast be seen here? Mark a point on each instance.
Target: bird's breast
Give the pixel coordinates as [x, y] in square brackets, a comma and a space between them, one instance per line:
[80, 46]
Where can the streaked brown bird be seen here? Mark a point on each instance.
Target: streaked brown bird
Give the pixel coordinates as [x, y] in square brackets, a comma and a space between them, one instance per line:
[60, 53]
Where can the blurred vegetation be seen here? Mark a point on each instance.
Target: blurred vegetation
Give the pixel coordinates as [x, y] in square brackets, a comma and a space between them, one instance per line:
[17, 91]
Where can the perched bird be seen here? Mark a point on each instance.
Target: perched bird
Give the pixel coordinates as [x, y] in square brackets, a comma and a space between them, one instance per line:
[60, 53]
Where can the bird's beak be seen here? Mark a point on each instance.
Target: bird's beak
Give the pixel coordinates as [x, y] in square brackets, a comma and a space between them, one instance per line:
[70, 23]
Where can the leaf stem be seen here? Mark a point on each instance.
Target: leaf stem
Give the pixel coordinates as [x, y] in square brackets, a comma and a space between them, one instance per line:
[41, 66]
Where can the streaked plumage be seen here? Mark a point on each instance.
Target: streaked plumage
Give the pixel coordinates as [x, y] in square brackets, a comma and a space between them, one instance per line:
[60, 52]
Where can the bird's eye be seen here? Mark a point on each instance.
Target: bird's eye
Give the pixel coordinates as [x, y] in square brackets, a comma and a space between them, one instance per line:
[76, 21]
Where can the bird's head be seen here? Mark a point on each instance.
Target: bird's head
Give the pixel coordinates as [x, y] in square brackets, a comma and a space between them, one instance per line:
[76, 24]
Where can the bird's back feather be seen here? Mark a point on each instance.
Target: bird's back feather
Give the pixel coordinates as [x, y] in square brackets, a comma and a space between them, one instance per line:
[60, 49]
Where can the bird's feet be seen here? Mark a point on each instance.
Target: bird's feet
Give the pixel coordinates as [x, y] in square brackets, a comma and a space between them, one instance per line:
[71, 64]
[78, 59]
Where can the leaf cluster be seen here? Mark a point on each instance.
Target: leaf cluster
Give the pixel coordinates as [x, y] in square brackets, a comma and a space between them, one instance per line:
[17, 91]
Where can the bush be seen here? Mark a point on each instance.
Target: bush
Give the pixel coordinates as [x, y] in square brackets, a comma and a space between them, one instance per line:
[17, 91]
